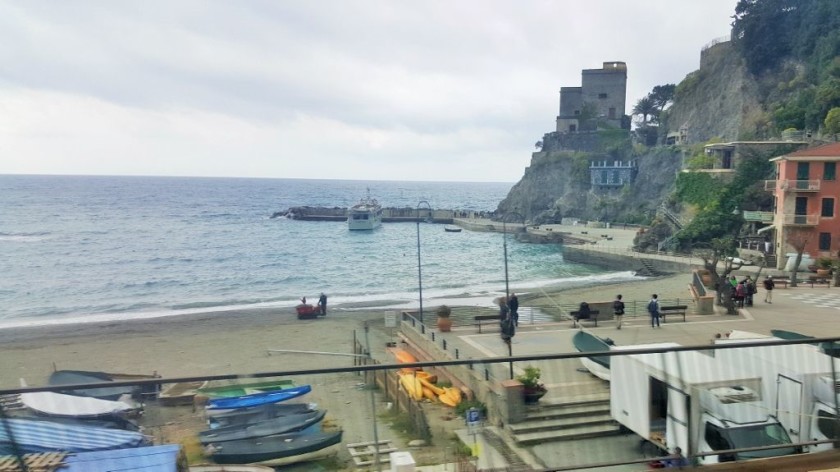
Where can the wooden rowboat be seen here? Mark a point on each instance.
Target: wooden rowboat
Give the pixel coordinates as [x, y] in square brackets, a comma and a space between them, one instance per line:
[238, 390]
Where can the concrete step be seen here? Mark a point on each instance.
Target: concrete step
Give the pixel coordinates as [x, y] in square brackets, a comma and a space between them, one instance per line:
[567, 434]
[570, 411]
[561, 423]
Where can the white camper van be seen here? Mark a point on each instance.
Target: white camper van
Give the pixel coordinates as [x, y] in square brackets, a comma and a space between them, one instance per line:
[799, 387]
[696, 402]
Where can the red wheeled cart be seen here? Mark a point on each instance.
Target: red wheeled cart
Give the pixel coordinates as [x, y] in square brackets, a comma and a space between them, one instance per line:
[305, 312]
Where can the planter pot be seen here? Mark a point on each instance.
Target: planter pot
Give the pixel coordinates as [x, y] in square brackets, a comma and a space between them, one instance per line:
[532, 397]
[444, 325]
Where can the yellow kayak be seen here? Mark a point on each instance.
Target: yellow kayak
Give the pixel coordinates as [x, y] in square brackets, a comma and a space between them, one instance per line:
[431, 386]
[451, 396]
[412, 386]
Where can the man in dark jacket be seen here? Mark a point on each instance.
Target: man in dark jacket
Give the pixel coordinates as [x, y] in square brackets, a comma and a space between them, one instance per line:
[513, 305]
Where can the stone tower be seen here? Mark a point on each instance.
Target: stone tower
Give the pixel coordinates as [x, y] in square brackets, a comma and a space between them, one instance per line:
[605, 89]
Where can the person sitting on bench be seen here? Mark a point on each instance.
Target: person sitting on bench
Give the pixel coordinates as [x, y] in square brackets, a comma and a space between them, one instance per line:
[583, 312]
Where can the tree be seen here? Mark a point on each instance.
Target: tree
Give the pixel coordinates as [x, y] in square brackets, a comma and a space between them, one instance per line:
[797, 238]
[713, 254]
[538, 145]
[832, 121]
[646, 106]
[662, 96]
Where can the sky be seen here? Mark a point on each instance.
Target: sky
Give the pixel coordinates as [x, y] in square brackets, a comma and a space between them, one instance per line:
[331, 89]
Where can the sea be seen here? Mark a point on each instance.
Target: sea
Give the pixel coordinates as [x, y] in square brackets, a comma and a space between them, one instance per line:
[77, 249]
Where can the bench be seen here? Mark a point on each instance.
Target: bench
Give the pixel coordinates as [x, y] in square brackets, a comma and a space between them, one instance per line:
[479, 318]
[815, 279]
[593, 317]
[781, 280]
[672, 310]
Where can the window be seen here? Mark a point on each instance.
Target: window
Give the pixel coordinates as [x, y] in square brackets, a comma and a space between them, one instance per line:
[602, 95]
[825, 241]
[827, 207]
[830, 171]
[827, 424]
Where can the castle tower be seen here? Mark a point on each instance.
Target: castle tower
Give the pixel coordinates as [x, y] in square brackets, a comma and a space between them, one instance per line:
[605, 89]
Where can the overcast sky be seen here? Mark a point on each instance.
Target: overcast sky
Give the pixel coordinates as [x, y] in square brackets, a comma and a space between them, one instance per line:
[368, 89]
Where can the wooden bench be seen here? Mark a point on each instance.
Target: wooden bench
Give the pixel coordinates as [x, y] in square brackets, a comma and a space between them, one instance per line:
[479, 318]
[815, 279]
[781, 280]
[672, 310]
[593, 317]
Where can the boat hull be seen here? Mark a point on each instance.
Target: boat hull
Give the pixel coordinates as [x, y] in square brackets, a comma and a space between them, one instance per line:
[257, 414]
[271, 448]
[599, 366]
[281, 425]
[71, 377]
[257, 399]
[238, 390]
[44, 436]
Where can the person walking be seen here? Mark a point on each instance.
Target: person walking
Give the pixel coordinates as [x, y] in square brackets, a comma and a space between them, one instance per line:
[322, 304]
[653, 309]
[513, 305]
[618, 311]
[769, 285]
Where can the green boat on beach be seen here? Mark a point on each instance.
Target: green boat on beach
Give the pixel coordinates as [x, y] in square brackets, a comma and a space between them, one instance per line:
[238, 390]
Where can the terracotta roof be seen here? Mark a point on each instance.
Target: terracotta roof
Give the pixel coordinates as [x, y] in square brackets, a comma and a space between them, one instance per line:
[827, 150]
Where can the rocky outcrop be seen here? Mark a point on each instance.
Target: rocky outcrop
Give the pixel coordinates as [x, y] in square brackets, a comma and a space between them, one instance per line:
[556, 185]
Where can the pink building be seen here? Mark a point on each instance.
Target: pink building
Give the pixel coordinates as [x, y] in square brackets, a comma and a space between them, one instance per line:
[806, 190]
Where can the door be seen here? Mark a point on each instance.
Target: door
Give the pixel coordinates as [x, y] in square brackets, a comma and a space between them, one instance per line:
[789, 406]
[800, 211]
[803, 171]
[676, 423]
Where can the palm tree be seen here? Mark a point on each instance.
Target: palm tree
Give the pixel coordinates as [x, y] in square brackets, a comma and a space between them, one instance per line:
[646, 107]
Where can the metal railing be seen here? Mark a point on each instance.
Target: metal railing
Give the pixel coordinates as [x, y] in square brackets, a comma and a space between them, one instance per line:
[801, 220]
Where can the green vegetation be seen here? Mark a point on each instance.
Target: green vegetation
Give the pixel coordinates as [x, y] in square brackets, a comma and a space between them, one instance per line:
[799, 38]
[461, 409]
[700, 189]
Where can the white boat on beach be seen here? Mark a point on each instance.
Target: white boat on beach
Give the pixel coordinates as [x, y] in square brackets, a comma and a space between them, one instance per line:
[365, 215]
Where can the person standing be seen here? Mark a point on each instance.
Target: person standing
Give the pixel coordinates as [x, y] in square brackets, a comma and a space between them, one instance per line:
[506, 321]
[322, 304]
[769, 285]
[653, 309]
[618, 311]
[740, 294]
[749, 287]
[513, 305]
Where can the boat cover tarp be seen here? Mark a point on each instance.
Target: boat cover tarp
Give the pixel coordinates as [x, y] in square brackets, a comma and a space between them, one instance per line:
[44, 436]
[162, 458]
[257, 399]
[146, 459]
[59, 404]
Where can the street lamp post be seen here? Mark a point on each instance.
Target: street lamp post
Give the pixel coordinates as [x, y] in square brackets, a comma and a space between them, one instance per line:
[507, 283]
[419, 270]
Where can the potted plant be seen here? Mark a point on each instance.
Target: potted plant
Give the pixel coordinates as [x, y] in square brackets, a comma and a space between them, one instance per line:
[824, 266]
[444, 324]
[532, 388]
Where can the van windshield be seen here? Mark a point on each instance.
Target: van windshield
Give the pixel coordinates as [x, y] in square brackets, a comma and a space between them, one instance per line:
[757, 436]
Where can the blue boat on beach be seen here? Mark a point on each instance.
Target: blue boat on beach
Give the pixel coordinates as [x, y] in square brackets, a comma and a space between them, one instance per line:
[257, 399]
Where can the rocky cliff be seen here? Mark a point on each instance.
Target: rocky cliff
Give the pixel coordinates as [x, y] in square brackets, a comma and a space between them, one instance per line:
[557, 185]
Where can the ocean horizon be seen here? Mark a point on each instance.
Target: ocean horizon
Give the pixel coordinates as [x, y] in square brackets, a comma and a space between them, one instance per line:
[104, 248]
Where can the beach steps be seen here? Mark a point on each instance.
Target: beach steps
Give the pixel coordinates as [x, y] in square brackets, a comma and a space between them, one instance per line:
[647, 269]
[566, 419]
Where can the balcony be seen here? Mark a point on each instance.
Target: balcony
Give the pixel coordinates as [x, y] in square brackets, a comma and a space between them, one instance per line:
[801, 185]
[801, 220]
[759, 216]
[770, 185]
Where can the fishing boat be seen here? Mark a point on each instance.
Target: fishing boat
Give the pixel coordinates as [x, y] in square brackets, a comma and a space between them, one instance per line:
[267, 450]
[59, 404]
[180, 393]
[599, 366]
[452, 229]
[281, 425]
[257, 414]
[365, 215]
[832, 349]
[45, 436]
[238, 390]
[257, 399]
[73, 377]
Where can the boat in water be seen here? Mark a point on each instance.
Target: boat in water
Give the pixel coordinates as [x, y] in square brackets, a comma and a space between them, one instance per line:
[270, 450]
[365, 215]
[599, 366]
[452, 229]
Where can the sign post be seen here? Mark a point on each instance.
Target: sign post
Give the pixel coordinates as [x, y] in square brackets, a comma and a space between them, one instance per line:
[473, 417]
